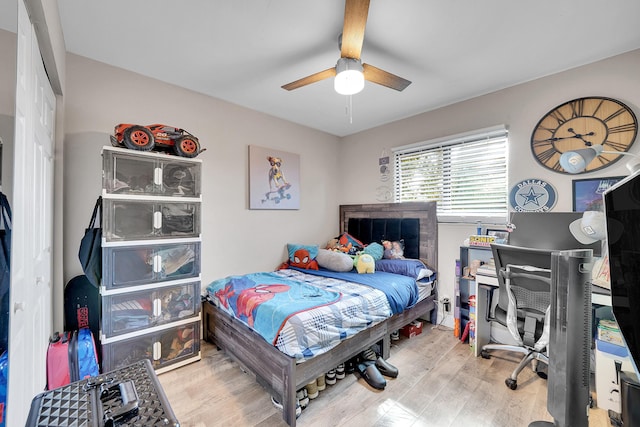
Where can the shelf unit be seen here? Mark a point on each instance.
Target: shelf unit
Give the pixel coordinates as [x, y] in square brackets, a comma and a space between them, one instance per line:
[150, 291]
[465, 284]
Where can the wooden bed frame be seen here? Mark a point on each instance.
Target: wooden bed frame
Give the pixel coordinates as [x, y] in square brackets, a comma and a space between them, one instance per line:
[278, 373]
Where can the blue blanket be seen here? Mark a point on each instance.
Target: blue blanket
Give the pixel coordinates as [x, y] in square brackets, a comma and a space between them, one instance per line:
[266, 300]
[401, 291]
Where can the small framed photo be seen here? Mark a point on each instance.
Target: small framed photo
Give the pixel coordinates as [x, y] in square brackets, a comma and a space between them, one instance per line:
[587, 193]
[502, 236]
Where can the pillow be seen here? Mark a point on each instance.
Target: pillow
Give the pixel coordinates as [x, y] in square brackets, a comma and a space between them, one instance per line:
[406, 267]
[334, 260]
[293, 247]
[302, 256]
[376, 250]
[393, 250]
[346, 238]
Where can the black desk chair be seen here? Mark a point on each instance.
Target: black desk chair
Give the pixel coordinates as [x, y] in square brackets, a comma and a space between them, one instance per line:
[524, 295]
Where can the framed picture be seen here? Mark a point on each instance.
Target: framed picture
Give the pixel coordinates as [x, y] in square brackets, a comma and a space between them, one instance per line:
[502, 236]
[274, 179]
[587, 193]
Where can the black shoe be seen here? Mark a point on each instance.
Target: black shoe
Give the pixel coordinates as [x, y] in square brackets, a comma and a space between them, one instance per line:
[350, 366]
[386, 368]
[372, 375]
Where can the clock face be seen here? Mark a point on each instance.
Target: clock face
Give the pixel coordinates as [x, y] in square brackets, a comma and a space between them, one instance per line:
[583, 123]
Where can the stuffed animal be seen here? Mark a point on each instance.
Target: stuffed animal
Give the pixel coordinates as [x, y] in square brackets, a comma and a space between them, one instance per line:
[345, 243]
[393, 250]
[333, 245]
[365, 264]
[301, 259]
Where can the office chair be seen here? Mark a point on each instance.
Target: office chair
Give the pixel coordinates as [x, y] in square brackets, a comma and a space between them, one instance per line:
[523, 299]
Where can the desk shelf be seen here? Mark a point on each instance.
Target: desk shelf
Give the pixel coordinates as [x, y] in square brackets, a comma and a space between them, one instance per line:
[465, 284]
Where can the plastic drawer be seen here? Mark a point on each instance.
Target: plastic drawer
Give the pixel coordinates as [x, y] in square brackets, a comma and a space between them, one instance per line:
[173, 346]
[143, 173]
[142, 262]
[133, 311]
[134, 219]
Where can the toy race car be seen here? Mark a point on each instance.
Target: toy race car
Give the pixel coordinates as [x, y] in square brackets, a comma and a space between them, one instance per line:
[157, 136]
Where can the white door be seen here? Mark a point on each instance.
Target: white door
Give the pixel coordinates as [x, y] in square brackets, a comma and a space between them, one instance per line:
[31, 258]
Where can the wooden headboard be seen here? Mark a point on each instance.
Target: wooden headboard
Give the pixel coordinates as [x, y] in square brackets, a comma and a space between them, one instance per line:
[372, 221]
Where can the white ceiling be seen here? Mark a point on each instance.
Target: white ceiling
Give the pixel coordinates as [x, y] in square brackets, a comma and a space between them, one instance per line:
[242, 51]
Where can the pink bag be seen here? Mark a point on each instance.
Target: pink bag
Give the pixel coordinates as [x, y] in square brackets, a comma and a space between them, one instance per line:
[71, 356]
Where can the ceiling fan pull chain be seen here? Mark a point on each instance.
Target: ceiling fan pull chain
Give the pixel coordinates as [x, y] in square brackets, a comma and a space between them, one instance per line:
[349, 108]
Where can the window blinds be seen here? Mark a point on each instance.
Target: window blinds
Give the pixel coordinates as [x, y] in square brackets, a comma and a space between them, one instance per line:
[466, 175]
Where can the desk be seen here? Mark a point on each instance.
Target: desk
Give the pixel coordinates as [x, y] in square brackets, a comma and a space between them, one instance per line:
[484, 283]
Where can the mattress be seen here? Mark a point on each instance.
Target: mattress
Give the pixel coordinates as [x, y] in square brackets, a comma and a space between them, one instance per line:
[316, 330]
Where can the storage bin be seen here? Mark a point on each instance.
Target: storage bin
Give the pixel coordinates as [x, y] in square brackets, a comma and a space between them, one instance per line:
[143, 262]
[136, 219]
[165, 348]
[142, 173]
[133, 311]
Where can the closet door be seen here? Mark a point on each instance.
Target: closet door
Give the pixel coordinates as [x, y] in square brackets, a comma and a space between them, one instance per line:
[31, 258]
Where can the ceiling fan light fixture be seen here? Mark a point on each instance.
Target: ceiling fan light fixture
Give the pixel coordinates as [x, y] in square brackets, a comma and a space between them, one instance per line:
[349, 78]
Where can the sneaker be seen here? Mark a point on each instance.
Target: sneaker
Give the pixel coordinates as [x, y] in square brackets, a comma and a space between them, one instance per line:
[312, 389]
[395, 335]
[369, 354]
[279, 406]
[321, 383]
[340, 371]
[330, 378]
[302, 397]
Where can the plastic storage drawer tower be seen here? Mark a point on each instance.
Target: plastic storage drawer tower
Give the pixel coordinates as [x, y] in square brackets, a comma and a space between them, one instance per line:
[150, 259]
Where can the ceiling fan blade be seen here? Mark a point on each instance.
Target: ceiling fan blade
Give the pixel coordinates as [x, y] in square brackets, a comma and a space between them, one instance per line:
[384, 78]
[355, 19]
[329, 72]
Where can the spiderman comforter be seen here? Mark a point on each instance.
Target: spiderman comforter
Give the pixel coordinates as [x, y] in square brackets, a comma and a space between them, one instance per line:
[304, 313]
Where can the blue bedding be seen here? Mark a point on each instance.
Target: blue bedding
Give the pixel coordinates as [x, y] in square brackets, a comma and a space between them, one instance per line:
[264, 301]
[401, 291]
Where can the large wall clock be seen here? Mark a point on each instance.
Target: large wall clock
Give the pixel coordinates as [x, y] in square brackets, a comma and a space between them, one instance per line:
[582, 123]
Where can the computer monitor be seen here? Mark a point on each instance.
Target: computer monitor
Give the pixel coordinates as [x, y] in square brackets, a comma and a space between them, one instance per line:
[547, 230]
[622, 213]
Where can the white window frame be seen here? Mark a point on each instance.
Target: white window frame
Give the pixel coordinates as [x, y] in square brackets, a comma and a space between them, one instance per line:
[487, 153]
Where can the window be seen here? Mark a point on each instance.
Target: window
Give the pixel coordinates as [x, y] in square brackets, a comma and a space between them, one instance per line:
[465, 174]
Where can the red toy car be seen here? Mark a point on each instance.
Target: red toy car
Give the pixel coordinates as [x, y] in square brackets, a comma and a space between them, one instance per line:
[163, 137]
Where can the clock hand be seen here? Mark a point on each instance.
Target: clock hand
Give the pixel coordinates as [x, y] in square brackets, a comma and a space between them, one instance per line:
[579, 136]
[557, 138]
[575, 135]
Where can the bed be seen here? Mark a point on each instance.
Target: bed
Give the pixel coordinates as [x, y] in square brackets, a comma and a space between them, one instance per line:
[280, 374]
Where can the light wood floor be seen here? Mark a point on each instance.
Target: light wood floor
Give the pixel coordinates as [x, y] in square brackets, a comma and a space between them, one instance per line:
[440, 384]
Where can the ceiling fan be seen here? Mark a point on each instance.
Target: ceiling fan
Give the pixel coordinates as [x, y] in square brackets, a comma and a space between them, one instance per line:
[349, 72]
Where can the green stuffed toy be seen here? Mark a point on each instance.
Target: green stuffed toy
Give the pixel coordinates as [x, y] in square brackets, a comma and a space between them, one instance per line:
[365, 264]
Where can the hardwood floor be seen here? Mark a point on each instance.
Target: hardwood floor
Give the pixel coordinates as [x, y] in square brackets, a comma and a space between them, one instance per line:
[440, 384]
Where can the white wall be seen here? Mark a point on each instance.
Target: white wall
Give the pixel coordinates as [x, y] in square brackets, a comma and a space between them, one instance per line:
[519, 108]
[234, 239]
